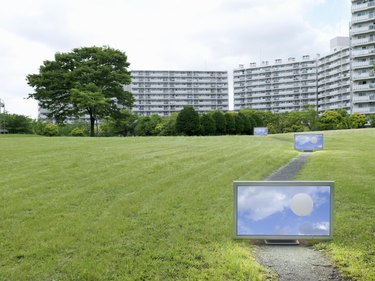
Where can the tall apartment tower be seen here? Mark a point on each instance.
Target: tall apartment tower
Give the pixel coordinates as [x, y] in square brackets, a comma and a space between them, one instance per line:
[334, 77]
[166, 92]
[362, 34]
[280, 87]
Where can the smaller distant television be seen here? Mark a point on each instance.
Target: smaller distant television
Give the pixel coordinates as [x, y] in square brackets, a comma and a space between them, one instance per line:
[308, 142]
[260, 131]
[283, 210]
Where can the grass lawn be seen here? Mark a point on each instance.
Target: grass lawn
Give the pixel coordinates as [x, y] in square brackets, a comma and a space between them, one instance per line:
[349, 160]
[154, 208]
[161, 208]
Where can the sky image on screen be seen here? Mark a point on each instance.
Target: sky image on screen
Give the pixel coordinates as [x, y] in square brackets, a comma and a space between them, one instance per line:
[260, 131]
[308, 141]
[283, 210]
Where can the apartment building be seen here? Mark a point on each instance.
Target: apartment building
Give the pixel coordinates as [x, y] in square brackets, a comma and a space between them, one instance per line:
[280, 87]
[165, 92]
[334, 84]
[362, 35]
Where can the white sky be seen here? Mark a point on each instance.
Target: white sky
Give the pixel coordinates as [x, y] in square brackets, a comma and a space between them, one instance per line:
[161, 34]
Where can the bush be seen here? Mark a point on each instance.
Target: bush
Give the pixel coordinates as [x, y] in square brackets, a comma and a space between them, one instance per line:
[50, 130]
[208, 127]
[357, 120]
[220, 121]
[77, 132]
[372, 120]
[187, 122]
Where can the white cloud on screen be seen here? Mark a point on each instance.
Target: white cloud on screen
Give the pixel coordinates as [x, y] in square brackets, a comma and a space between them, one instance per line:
[260, 202]
[321, 228]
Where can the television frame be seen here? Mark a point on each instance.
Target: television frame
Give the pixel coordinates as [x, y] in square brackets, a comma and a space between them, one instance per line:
[282, 184]
[308, 134]
[260, 135]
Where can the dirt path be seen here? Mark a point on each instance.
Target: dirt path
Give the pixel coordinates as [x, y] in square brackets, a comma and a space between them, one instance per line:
[295, 262]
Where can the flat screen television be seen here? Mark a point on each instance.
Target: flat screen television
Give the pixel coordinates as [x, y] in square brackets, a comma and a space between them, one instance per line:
[308, 142]
[260, 131]
[283, 210]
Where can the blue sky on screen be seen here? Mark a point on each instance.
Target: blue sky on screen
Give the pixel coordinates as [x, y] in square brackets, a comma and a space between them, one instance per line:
[308, 141]
[266, 210]
[260, 131]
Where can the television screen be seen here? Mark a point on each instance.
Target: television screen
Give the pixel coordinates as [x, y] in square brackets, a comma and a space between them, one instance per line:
[260, 131]
[308, 142]
[283, 210]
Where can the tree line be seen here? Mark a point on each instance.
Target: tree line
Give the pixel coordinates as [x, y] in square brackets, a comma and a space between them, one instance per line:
[188, 122]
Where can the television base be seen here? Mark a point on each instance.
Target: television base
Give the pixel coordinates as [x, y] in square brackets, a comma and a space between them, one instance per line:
[281, 242]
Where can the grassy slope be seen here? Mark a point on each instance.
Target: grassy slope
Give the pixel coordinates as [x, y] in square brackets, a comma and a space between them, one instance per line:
[127, 208]
[349, 160]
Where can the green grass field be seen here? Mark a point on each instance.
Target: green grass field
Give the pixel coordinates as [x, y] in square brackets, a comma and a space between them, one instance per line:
[160, 208]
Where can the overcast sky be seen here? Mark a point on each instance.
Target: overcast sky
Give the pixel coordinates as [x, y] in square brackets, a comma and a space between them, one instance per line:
[161, 34]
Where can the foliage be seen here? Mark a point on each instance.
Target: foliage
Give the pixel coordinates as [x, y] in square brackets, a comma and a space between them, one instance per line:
[156, 124]
[208, 127]
[230, 122]
[78, 125]
[249, 122]
[310, 118]
[77, 132]
[168, 126]
[372, 120]
[120, 124]
[38, 127]
[187, 122]
[16, 124]
[345, 119]
[358, 120]
[220, 121]
[329, 120]
[85, 81]
[143, 126]
[240, 124]
[50, 130]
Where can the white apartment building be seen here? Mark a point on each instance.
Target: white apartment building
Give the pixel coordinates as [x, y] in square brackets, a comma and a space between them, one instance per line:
[323, 82]
[165, 92]
[280, 87]
[362, 34]
[334, 77]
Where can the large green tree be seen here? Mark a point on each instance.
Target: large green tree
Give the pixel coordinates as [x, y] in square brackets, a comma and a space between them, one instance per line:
[187, 122]
[86, 81]
[16, 124]
[230, 122]
[208, 126]
[220, 121]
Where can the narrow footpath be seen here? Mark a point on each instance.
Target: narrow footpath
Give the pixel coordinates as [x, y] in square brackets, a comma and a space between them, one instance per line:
[295, 262]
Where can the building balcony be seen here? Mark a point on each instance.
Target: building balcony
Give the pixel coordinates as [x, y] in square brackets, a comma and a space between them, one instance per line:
[258, 106]
[363, 76]
[362, 41]
[361, 53]
[364, 110]
[362, 30]
[364, 87]
[362, 64]
[364, 6]
[369, 98]
[362, 18]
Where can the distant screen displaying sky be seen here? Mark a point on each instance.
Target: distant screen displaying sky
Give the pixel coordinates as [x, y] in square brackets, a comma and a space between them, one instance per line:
[260, 131]
[308, 141]
[283, 210]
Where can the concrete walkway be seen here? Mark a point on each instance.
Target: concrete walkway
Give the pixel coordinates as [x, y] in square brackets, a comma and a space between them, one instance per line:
[295, 262]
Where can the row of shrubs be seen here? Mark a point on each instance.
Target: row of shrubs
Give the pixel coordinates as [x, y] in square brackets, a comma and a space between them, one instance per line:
[189, 122]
